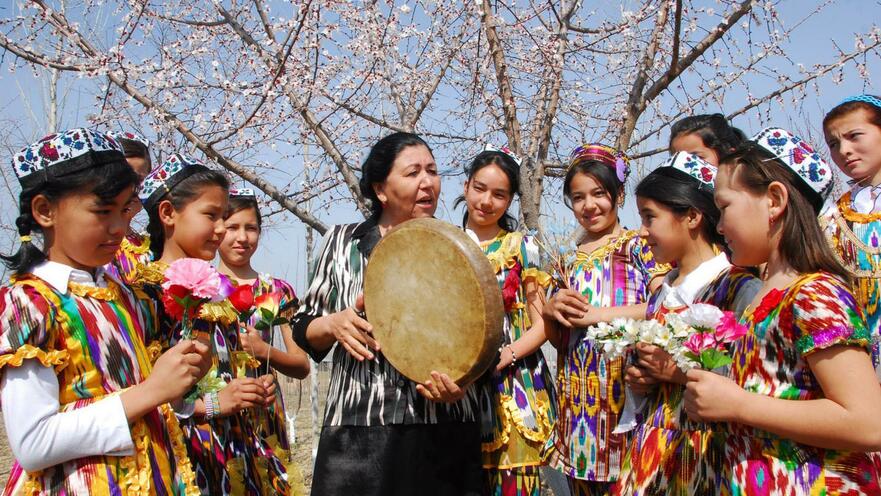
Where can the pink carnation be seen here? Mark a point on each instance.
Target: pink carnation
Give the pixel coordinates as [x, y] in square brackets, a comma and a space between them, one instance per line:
[730, 329]
[696, 343]
[197, 276]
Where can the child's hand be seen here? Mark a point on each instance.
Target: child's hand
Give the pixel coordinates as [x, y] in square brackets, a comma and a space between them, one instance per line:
[639, 380]
[659, 364]
[269, 389]
[253, 343]
[565, 306]
[710, 397]
[241, 393]
[177, 370]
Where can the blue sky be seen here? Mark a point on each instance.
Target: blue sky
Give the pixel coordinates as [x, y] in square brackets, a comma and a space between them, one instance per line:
[282, 249]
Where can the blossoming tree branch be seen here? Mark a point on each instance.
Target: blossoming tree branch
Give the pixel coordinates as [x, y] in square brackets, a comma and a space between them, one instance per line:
[287, 96]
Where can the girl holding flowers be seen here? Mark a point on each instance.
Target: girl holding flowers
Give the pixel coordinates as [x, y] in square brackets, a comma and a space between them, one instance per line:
[255, 294]
[801, 404]
[186, 202]
[85, 407]
[519, 419]
[668, 453]
[612, 276]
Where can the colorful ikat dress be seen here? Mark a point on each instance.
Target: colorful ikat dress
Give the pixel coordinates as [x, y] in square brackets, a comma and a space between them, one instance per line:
[590, 388]
[228, 455]
[134, 252]
[271, 423]
[96, 339]
[855, 239]
[519, 420]
[815, 312]
[669, 453]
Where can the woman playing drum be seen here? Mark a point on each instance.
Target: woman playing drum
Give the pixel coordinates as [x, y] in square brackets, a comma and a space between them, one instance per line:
[383, 434]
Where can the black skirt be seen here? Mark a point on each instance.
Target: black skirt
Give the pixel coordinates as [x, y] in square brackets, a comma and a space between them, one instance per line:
[423, 459]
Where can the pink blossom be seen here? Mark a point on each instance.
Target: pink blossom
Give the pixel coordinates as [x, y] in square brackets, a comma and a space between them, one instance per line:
[197, 276]
[730, 329]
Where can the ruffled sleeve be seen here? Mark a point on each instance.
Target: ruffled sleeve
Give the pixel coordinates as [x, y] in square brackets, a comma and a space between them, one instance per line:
[24, 333]
[644, 260]
[531, 263]
[825, 314]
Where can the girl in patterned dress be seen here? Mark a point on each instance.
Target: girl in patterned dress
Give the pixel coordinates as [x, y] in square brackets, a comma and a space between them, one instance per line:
[801, 404]
[134, 250]
[243, 227]
[670, 454]
[518, 420]
[611, 277]
[709, 136]
[853, 224]
[186, 201]
[85, 399]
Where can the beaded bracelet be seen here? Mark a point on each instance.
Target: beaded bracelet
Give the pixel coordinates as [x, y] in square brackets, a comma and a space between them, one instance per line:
[513, 355]
[212, 405]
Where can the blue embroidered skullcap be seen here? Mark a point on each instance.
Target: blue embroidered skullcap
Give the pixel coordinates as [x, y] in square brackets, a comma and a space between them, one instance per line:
[800, 157]
[128, 135]
[242, 193]
[696, 168]
[164, 178]
[64, 153]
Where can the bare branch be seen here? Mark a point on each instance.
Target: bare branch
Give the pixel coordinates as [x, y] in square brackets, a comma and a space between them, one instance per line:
[636, 102]
[62, 25]
[699, 49]
[816, 73]
[506, 92]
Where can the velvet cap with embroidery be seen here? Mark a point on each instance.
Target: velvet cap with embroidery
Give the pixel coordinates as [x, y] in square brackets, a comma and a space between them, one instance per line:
[161, 180]
[787, 149]
[614, 158]
[504, 150]
[242, 193]
[128, 135]
[696, 168]
[64, 153]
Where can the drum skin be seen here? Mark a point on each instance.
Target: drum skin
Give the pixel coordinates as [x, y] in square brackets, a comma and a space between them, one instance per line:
[434, 303]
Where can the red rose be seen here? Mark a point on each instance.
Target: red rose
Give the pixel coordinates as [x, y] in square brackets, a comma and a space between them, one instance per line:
[512, 284]
[767, 305]
[242, 298]
[170, 300]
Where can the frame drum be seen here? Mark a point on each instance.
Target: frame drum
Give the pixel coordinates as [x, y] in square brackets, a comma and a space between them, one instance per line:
[434, 302]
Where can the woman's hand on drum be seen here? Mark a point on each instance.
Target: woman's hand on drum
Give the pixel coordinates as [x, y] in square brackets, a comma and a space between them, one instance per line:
[441, 389]
[566, 306]
[353, 332]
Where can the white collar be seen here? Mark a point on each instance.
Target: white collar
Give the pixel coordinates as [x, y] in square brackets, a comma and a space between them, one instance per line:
[686, 291]
[58, 276]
